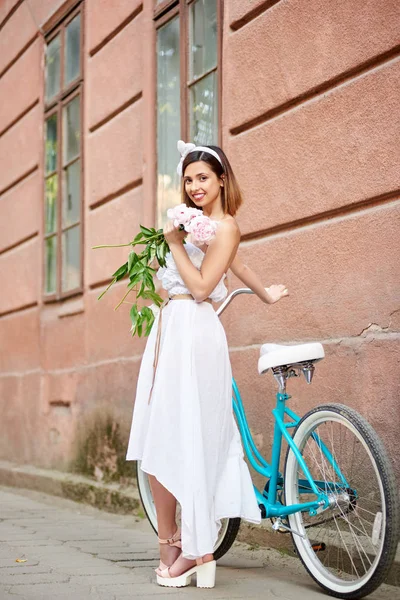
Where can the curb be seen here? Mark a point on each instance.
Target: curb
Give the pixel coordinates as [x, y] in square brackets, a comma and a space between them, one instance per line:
[111, 497]
[125, 500]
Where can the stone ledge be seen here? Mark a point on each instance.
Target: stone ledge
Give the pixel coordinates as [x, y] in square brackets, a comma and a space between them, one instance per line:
[110, 497]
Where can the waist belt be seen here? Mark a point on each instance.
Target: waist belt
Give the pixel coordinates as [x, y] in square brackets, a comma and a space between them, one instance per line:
[159, 328]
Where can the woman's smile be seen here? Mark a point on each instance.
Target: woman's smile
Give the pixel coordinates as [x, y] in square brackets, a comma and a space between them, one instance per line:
[198, 196]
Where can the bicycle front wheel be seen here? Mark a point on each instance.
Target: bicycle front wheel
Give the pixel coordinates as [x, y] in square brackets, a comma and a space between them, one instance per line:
[226, 535]
[349, 547]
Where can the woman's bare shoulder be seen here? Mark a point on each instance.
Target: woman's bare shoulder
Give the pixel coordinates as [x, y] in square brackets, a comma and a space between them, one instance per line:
[228, 227]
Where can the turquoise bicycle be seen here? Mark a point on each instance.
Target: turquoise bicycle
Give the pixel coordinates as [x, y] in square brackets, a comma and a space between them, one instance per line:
[337, 495]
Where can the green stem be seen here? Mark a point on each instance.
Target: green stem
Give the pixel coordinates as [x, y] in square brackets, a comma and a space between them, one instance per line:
[107, 288]
[145, 240]
[132, 243]
[119, 303]
[112, 246]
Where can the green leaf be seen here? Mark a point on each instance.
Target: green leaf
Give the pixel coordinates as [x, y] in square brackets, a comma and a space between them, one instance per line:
[137, 269]
[149, 325]
[134, 317]
[149, 281]
[147, 232]
[140, 325]
[164, 249]
[133, 282]
[149, 317]
[139, 237]
[121, 272]
[152, 253]
[132, 260]
[149, 295]
[161, 252]
[141, 290]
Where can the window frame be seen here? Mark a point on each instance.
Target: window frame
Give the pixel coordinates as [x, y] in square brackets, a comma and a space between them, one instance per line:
[166, 11]
[163, 13]
[55, 106]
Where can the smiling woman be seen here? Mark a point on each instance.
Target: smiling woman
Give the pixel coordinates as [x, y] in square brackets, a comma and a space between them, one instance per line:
[183, 429]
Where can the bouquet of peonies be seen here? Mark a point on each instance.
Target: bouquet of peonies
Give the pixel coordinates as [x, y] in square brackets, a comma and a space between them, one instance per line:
[138, 266]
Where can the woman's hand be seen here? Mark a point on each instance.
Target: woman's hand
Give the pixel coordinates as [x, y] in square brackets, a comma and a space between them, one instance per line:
[173, 235]
[276, 292]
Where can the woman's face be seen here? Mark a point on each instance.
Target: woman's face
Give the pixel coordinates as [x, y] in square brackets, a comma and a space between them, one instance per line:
[202, 185]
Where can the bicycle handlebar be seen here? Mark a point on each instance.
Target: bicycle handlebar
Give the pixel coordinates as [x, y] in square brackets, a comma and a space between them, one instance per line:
[231, 296]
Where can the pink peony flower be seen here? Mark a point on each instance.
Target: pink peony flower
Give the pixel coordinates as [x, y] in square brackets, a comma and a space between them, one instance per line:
[202, 230]
[182, 214]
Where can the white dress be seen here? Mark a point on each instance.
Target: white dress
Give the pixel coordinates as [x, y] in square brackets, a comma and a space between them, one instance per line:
[187, 436]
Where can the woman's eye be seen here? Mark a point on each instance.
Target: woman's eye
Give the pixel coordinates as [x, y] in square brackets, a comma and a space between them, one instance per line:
[203, 178]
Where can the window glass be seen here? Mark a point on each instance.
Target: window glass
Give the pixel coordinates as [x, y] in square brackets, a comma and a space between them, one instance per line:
[72, 50]
[203, 37]
[51, 204]
[62, 225]
[71, 259]
[204, 111]
[53, 68]
[50, 265]
[51, 144]
[71, 193]
[168, 117]
[71, 130]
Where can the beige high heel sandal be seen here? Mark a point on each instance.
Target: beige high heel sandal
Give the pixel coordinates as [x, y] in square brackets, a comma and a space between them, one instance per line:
[175, 540]
[205, 575]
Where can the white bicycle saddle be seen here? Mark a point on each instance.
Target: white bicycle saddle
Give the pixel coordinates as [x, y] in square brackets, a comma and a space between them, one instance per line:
[275, 355]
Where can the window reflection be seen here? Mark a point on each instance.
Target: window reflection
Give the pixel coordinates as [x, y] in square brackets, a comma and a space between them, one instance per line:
[71, 259]
[72, 50]
[53, 68]
[168, 117]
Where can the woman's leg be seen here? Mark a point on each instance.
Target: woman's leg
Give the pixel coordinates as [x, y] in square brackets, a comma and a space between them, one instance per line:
[165, 504]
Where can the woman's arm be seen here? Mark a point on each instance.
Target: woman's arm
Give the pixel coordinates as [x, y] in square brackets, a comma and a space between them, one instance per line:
[215, 263]
[250, 279]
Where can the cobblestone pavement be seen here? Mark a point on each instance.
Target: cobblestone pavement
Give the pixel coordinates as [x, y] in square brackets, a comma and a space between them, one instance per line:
[75, 552]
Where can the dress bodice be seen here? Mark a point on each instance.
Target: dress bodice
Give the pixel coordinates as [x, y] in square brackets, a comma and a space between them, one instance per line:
[173, 282]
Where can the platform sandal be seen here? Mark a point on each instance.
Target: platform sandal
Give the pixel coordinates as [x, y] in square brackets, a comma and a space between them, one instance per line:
[175, 540]
[205, 575]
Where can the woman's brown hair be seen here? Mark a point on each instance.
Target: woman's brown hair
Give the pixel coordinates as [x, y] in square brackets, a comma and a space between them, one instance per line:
[231, 195]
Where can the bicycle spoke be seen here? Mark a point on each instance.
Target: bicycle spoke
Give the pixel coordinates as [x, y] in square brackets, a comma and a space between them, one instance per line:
[344, 528]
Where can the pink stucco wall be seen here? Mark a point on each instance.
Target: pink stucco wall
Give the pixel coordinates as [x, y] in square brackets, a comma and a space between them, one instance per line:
[309, 120]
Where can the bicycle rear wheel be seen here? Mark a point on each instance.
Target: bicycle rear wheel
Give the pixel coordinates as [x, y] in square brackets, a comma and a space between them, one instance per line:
[348, 548]
[229, 527]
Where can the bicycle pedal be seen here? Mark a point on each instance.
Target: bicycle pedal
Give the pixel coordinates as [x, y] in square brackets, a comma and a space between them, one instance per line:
[319, 547]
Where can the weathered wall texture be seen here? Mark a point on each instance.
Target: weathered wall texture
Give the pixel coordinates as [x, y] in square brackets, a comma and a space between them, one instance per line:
[310, 122]
[59, 361]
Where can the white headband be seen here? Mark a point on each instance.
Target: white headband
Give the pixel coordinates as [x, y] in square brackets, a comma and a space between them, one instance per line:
[185, 149]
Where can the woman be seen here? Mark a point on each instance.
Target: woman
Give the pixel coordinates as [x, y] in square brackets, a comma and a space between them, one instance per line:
[183, 429]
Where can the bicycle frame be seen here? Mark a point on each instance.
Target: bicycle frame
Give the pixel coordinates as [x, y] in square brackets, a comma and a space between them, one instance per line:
[267, 500]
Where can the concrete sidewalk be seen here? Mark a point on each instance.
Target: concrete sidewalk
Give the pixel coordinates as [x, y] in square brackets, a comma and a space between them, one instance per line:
[76, 551]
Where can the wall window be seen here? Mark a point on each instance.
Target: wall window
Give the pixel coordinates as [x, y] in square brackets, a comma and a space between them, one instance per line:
[63, 159]
[188, 48]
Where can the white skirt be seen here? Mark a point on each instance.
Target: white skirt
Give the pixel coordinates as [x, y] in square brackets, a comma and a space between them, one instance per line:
[187, 436]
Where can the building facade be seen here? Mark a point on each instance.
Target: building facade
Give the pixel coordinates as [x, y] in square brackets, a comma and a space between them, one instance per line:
[94, 94]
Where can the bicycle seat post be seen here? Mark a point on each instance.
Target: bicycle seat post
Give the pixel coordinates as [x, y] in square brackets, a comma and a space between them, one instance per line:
[280, 374]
